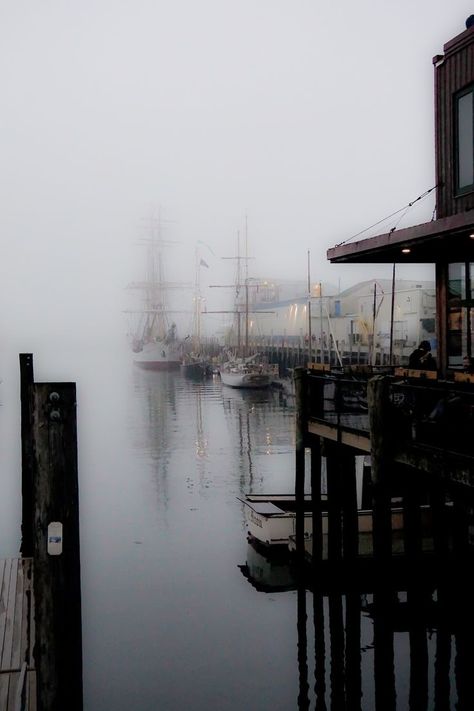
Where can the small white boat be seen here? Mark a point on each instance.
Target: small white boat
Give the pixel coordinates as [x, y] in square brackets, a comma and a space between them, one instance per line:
[271, 519]
[247, 373]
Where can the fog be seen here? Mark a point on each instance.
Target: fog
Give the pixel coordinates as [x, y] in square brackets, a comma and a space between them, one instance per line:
[313, 121]
[310, 121]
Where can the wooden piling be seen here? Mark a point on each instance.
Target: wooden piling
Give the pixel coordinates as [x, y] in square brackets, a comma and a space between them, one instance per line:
[50, 495]
[27, 453]
[57, 577]
[380, 450]
[334, 501]
[317, 522]
[300, 400]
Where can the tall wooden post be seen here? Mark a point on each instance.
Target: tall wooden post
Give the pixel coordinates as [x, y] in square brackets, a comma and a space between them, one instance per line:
[350, 526]
[300, 401]
[317, 523]
[58, 653]
[27, 454]
[334, 486]
[380, 451]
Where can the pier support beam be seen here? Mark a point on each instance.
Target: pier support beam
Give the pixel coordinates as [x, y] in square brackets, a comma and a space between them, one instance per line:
[380, 441]
[300, 432]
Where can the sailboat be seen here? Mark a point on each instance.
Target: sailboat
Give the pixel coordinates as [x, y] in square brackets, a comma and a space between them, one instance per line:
[155, 343]
[246, 371]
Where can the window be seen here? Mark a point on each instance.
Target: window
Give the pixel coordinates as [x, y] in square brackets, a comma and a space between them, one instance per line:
[464, 123]
[460, 312]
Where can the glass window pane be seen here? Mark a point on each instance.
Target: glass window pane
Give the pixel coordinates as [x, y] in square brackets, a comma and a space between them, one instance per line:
[465, 141]
[455, 336]
[457, 283]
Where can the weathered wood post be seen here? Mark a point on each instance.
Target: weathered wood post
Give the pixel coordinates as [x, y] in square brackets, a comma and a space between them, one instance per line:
[350, 525]
[27, 453]
[380, 451]
[300, 402]
[334, 501]
[58, 653]
[316, 504]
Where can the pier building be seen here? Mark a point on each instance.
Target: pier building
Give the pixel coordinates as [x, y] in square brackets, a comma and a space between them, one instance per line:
[417, 425]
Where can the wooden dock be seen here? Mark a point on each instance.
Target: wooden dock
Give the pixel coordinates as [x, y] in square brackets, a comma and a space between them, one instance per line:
[17, 636]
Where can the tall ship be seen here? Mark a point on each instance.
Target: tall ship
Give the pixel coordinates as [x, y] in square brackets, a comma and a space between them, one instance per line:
[155, 343]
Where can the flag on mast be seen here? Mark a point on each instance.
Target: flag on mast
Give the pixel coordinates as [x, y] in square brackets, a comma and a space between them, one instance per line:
[202, 263]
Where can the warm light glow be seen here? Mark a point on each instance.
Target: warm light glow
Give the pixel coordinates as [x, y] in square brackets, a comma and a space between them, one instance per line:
[406, 250]
[471, 236]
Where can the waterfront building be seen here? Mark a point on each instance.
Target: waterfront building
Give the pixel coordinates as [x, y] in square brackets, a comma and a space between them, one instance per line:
[416, 425]
[346, 321]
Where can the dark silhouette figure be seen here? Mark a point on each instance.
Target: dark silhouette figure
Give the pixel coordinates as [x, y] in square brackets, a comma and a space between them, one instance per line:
[421, 358]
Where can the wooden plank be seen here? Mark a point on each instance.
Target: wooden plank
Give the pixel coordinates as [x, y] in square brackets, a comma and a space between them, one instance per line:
[14, 679]
[8, 638]
[21, 690]
[15, 660]
[31, 691]
[27, 630]
[4, 587]
[4, 686]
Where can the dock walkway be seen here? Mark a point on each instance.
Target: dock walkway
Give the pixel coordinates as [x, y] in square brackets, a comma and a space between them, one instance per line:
[17, 635]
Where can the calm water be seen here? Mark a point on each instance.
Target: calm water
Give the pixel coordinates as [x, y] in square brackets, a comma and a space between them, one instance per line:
[179, 612]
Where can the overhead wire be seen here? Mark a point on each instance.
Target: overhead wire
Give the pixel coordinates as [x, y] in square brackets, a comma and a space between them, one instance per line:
[403, 209]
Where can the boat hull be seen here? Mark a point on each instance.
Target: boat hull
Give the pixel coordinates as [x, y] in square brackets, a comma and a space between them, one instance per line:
[245, 380]
[271, 520]
[157, 356]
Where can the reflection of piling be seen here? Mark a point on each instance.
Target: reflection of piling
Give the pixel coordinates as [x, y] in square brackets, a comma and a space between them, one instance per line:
[303, 695]
[384, 672]
[352, 652]
[336, 629]
[51, 513]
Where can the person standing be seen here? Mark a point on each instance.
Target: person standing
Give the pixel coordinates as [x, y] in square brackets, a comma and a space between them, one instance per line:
[422, 358]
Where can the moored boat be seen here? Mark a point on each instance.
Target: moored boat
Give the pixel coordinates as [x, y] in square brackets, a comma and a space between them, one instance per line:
[271, 519]
[195, 367]
[155, 342]
[247, 373]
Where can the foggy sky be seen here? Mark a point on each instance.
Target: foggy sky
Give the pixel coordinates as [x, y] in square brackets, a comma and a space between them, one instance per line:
[312, 119]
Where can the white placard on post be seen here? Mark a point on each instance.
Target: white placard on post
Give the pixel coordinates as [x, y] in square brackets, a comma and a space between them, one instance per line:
[55, 538]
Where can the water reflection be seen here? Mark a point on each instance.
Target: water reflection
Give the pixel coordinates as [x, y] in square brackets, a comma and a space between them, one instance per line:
[409, 663]
[194, 617]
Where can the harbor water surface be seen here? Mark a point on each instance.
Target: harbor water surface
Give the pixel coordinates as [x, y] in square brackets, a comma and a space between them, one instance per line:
[179, 612]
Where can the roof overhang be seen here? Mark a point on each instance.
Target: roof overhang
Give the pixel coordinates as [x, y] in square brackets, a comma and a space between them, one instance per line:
[446, 239]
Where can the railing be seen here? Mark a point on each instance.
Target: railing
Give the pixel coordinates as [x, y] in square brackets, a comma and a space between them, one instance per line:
[426, 411]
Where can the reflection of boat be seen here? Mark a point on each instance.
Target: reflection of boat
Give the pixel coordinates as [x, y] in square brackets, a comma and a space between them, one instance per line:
[155, 344]
[247, 373]
[267, 574]
[271, 519]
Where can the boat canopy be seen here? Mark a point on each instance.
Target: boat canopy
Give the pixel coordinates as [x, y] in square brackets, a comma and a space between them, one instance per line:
[265, 508]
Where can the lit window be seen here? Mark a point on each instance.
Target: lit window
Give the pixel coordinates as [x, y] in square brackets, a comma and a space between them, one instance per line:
[464, 122]
[460, 312]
